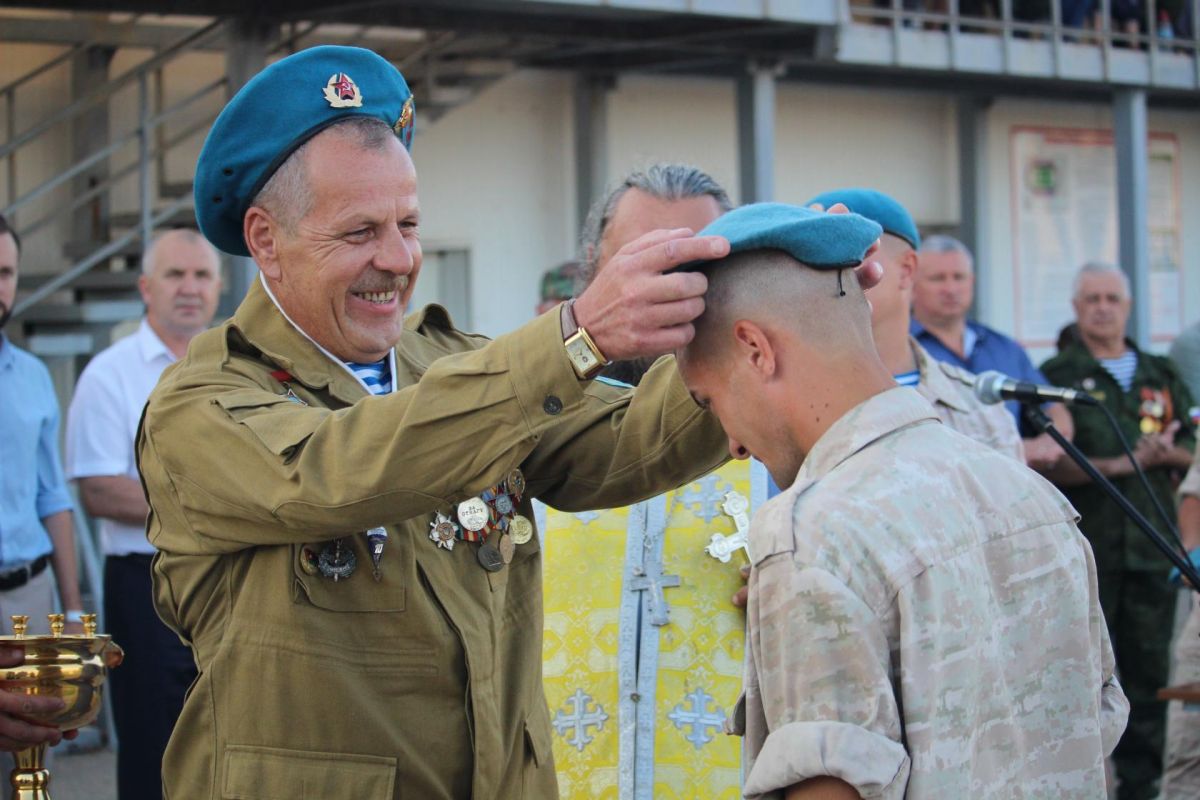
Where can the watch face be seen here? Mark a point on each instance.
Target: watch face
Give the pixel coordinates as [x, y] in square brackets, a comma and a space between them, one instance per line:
[581, 355]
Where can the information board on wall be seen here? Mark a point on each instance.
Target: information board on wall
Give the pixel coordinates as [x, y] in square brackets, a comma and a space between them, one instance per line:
[1065, 214]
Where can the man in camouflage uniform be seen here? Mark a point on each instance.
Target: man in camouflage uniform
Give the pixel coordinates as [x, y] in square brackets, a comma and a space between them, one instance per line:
[949, 388]
[924, 619]
[1150, 402]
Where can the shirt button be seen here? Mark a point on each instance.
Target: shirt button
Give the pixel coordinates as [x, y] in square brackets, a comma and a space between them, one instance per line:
[552, 405]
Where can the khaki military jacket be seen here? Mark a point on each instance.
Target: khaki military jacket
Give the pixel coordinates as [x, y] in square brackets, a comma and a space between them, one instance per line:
[425, 683]
[951, 390]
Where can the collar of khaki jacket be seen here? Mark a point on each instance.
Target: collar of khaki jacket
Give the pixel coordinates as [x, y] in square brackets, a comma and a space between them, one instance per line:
[861, 426]
[868, 422]
[261, 323]
[935, 379]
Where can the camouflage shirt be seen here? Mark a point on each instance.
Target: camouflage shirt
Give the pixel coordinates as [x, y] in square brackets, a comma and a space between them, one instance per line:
[951, 390]
[924, 622]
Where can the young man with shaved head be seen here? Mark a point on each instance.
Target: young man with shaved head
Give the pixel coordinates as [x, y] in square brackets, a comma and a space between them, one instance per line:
[923, 617]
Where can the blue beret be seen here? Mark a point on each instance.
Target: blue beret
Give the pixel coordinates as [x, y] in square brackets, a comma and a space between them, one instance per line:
[280, 109]
[876, 206]
[815, 238]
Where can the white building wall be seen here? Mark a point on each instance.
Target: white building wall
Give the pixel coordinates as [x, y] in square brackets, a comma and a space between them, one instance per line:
[497, 174]
[996, 289]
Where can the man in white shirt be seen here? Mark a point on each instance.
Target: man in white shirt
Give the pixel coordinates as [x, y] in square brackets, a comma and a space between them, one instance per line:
[180, 284]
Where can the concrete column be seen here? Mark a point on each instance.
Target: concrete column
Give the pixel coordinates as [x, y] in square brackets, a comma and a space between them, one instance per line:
[756, 132]
[591, 140]
[1131, 141]
[972, 186]
[245, 57]
[89, 133]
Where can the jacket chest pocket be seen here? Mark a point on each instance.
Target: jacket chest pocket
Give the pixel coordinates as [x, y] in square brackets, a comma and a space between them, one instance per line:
[358, 591]
[271, 773]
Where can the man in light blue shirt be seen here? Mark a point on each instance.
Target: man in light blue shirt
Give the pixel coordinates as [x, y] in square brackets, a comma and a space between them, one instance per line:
[36, 529]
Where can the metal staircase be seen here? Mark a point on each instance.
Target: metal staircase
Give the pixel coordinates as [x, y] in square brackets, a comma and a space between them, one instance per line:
[118, 185]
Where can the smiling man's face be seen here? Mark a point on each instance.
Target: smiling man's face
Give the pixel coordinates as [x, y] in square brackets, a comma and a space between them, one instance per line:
[347, 271]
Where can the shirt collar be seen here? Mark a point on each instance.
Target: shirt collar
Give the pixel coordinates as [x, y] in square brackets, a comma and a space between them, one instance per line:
[328, 355]
[935, 381]
[867, 422]
[150, 345]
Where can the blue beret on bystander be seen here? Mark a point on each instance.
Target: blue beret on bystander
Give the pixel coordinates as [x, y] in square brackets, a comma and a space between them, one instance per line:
[876, 206]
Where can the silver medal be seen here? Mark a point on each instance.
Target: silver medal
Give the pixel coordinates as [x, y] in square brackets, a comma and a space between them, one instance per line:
[504, 504]
[473, 514]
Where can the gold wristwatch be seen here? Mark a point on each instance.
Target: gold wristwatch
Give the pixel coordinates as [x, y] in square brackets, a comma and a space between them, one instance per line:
[585, 356]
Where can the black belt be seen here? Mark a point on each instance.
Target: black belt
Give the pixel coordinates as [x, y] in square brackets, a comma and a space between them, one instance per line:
[16, 578]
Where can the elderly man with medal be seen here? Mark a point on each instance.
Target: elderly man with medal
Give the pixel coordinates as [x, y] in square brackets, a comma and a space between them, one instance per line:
[340, 496]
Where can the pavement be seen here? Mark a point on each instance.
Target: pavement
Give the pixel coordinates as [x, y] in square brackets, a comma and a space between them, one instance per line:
[90, 775]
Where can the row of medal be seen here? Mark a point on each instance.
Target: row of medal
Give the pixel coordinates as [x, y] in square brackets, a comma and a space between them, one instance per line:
[490, 519]
[491, 516]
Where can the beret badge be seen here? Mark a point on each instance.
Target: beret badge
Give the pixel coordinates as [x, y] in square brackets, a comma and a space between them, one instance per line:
[342, 92]
[404, 125]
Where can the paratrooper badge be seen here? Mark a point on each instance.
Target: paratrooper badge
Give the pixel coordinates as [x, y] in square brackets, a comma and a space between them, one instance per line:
[342, 92]
[404, 125]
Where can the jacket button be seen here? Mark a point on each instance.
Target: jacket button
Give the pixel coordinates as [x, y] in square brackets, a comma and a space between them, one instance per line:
[552, 405]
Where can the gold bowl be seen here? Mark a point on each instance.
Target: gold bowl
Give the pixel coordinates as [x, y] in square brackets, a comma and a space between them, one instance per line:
[71, 667]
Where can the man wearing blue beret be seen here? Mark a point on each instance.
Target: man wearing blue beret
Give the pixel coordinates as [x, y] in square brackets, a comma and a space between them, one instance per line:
[950, 389]
[923, 618]
[340, 496]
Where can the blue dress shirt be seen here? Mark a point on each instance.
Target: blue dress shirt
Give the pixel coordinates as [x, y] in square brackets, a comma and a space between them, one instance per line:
[32, 486]
[986, 349]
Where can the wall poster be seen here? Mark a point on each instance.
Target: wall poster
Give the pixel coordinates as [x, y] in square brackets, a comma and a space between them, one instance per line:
[1065, 214]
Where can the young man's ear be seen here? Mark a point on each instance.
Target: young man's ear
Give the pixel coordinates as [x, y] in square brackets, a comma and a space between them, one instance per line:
[908, 269]
[261, 232]
[755, 348]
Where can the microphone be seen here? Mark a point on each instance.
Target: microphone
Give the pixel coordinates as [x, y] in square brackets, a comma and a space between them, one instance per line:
[996, 387]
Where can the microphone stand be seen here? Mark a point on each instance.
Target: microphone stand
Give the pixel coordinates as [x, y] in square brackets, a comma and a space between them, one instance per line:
[1038, 418]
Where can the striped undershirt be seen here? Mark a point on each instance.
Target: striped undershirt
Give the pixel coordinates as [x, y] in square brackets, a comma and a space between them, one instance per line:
[908, 378]
[1121, 368]
[377, 375]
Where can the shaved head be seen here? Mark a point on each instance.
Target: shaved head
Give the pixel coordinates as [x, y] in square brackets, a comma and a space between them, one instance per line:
[773, 289]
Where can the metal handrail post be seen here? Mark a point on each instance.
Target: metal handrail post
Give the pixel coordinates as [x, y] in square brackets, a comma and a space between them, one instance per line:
[1106, 37]
[160, 131]
[10, 125]
[1056, 31]
[896, 31]
[1152, 41]
[1006, 18]
[144, 132]
[952, 31]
